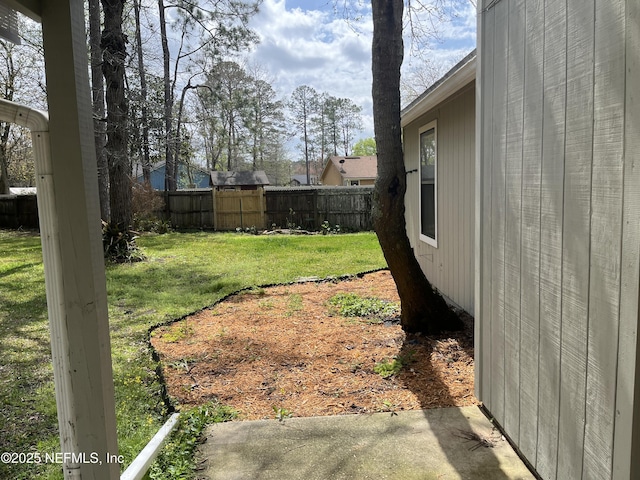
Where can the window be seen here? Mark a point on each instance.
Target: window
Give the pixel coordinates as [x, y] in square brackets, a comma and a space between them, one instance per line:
[428, 184]
[354, 182]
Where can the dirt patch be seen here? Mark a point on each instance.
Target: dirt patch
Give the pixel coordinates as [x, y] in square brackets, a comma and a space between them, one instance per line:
[285, 350]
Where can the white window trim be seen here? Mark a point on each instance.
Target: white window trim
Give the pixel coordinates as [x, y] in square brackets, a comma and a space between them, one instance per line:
[430, 241]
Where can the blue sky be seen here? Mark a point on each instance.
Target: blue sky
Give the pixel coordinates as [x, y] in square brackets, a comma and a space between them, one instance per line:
[308, 42]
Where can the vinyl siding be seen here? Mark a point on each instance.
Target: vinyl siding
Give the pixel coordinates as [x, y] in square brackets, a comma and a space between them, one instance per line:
[450, 266]
[559, 232]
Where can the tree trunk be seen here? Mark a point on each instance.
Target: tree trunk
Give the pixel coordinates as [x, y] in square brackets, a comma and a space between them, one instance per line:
[306, 150]
[4, 168]
[170, 162]
[177, 144]
[114, 53]
[9, 90]
[422, 308]
[146, 159]
[97, 94]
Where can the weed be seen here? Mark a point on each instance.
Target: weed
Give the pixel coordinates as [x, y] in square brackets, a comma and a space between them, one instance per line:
[388, 406]
[252, 230]
[407, 357]
[177, 457]
[294, 304]
[327, 229]
[352, 305]
[388, 369]
[181, 364]
[282, 413]
[291, 224]
[266, 304]
[179, 332]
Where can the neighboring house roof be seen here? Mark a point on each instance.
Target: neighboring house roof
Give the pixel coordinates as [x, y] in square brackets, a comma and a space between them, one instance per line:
[302, 179]
[460, 75]
[355, 167]
[137, 170]
[232, 179]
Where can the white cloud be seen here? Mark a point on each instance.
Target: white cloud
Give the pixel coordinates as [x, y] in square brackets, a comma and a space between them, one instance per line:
[306, 42]
[309, 47]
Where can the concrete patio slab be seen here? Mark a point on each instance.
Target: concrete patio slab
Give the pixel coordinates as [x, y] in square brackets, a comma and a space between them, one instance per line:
[442, 444]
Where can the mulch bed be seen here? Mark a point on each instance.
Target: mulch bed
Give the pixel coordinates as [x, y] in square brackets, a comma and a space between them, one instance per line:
[281, 351]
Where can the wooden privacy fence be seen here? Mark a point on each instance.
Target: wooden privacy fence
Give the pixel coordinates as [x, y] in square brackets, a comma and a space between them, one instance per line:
[18, 211]
[189, 208]
[305, 207]
[309, 207]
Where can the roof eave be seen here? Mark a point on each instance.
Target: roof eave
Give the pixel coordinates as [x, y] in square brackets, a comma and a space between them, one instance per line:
[30, 8]
[465, 74]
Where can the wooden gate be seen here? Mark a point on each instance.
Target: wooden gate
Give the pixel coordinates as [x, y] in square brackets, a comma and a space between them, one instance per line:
[239, 208]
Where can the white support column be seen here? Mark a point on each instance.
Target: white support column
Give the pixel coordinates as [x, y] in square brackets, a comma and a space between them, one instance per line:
[80, 341]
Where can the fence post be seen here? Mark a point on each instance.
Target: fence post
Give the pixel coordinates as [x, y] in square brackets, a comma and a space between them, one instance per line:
[263, 208]
[316, 220]
[215, 209]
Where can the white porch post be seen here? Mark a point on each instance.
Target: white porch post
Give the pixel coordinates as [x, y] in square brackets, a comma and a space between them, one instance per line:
[84, 382]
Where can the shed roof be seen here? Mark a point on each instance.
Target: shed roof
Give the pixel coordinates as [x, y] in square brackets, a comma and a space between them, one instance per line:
[258, 177]
[355, 166]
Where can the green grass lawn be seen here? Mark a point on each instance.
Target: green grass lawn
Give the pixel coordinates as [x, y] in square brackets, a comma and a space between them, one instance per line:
[184, 272]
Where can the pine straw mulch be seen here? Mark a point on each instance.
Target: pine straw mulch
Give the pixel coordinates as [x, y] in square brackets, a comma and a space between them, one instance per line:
[283, 350]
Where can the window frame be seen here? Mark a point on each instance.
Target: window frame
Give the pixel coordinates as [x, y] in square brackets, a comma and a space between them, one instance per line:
[433, 125]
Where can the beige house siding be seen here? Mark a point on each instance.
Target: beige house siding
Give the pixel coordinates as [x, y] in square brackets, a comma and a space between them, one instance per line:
[349, 170]
[331, 176]
[450, 265]
[559, 232]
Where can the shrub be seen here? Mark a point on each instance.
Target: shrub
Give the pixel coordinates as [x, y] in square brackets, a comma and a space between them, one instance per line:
[120, 245]
[328, 229]
[146, 203]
